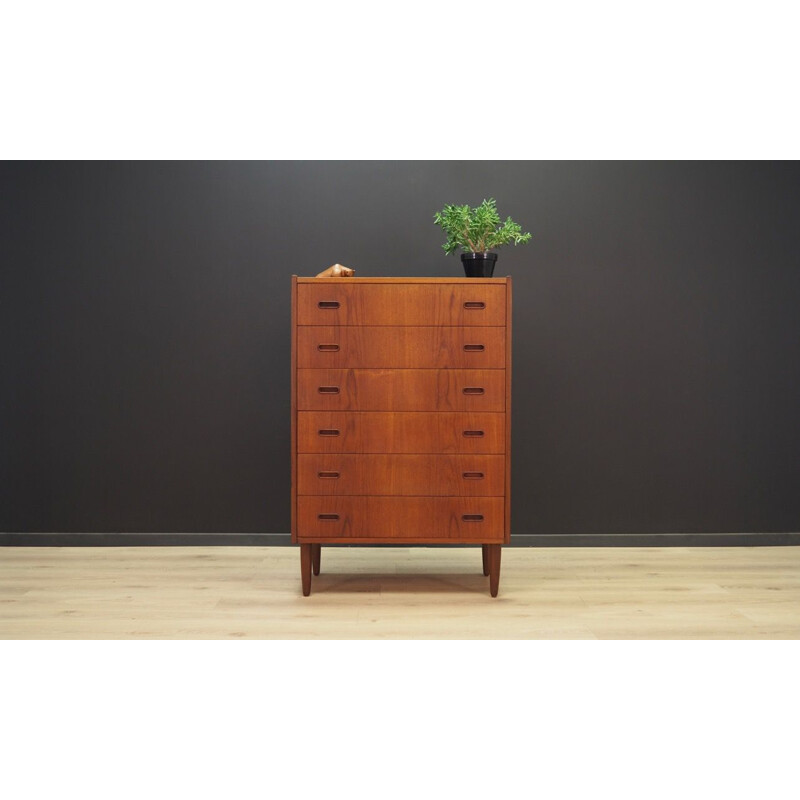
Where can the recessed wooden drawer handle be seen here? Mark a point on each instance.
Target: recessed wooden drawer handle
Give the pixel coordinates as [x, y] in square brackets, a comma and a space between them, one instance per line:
[328, 432]
[329, 390]
[473, 476]
[474, 348]
[472, 517]
[327, 474]
[327, 516]
[328, 304]
[473, 390]
[474, 305]
[473, 433]
[328, 348]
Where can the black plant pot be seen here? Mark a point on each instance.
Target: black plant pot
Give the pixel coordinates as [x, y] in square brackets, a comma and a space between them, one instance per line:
[478, 265]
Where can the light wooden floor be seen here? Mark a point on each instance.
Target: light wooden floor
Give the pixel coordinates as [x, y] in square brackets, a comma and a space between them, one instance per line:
[399, 593]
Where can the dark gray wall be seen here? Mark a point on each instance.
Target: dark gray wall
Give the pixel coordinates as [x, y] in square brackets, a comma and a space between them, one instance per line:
[145, 336]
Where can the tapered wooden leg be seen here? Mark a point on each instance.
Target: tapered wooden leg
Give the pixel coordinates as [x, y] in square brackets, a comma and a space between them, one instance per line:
[485, 554]
[305, 568]
[316, 555]
[494, 568]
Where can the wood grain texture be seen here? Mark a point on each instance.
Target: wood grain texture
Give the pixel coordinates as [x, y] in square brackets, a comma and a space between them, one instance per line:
[400, 432]
[293, 403]
[401, 390]
[382, 383]
[508, 410]
[433, 475]
[400, 518]
[408, 593]
[400, 347]
[494, 552]
[461, 304]
[305, 568]
[316, 558]
[389, 281]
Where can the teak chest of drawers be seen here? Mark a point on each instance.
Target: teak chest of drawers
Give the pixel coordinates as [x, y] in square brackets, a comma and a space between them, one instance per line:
[401, 414]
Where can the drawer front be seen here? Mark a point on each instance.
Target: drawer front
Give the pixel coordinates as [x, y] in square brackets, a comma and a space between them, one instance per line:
[401, 390]
[401, 304]
[400, 432]
[401, 475]
[398, 518]
[400, 347]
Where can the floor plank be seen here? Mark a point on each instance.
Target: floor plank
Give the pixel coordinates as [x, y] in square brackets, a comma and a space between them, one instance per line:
[399, 593]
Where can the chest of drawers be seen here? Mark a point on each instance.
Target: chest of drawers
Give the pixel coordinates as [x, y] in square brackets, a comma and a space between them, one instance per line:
[401, 414]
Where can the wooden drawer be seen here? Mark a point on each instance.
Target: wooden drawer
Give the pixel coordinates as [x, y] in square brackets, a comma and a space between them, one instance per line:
[401, 389]
[400, 432]
[400, 518]
[351, 303]
[400, 347]
[396, 475]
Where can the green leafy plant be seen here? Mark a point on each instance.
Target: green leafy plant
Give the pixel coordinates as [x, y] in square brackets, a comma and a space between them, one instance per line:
[476, 230]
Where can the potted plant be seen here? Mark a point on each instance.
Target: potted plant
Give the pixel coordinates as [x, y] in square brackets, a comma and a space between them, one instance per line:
[477, 231]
